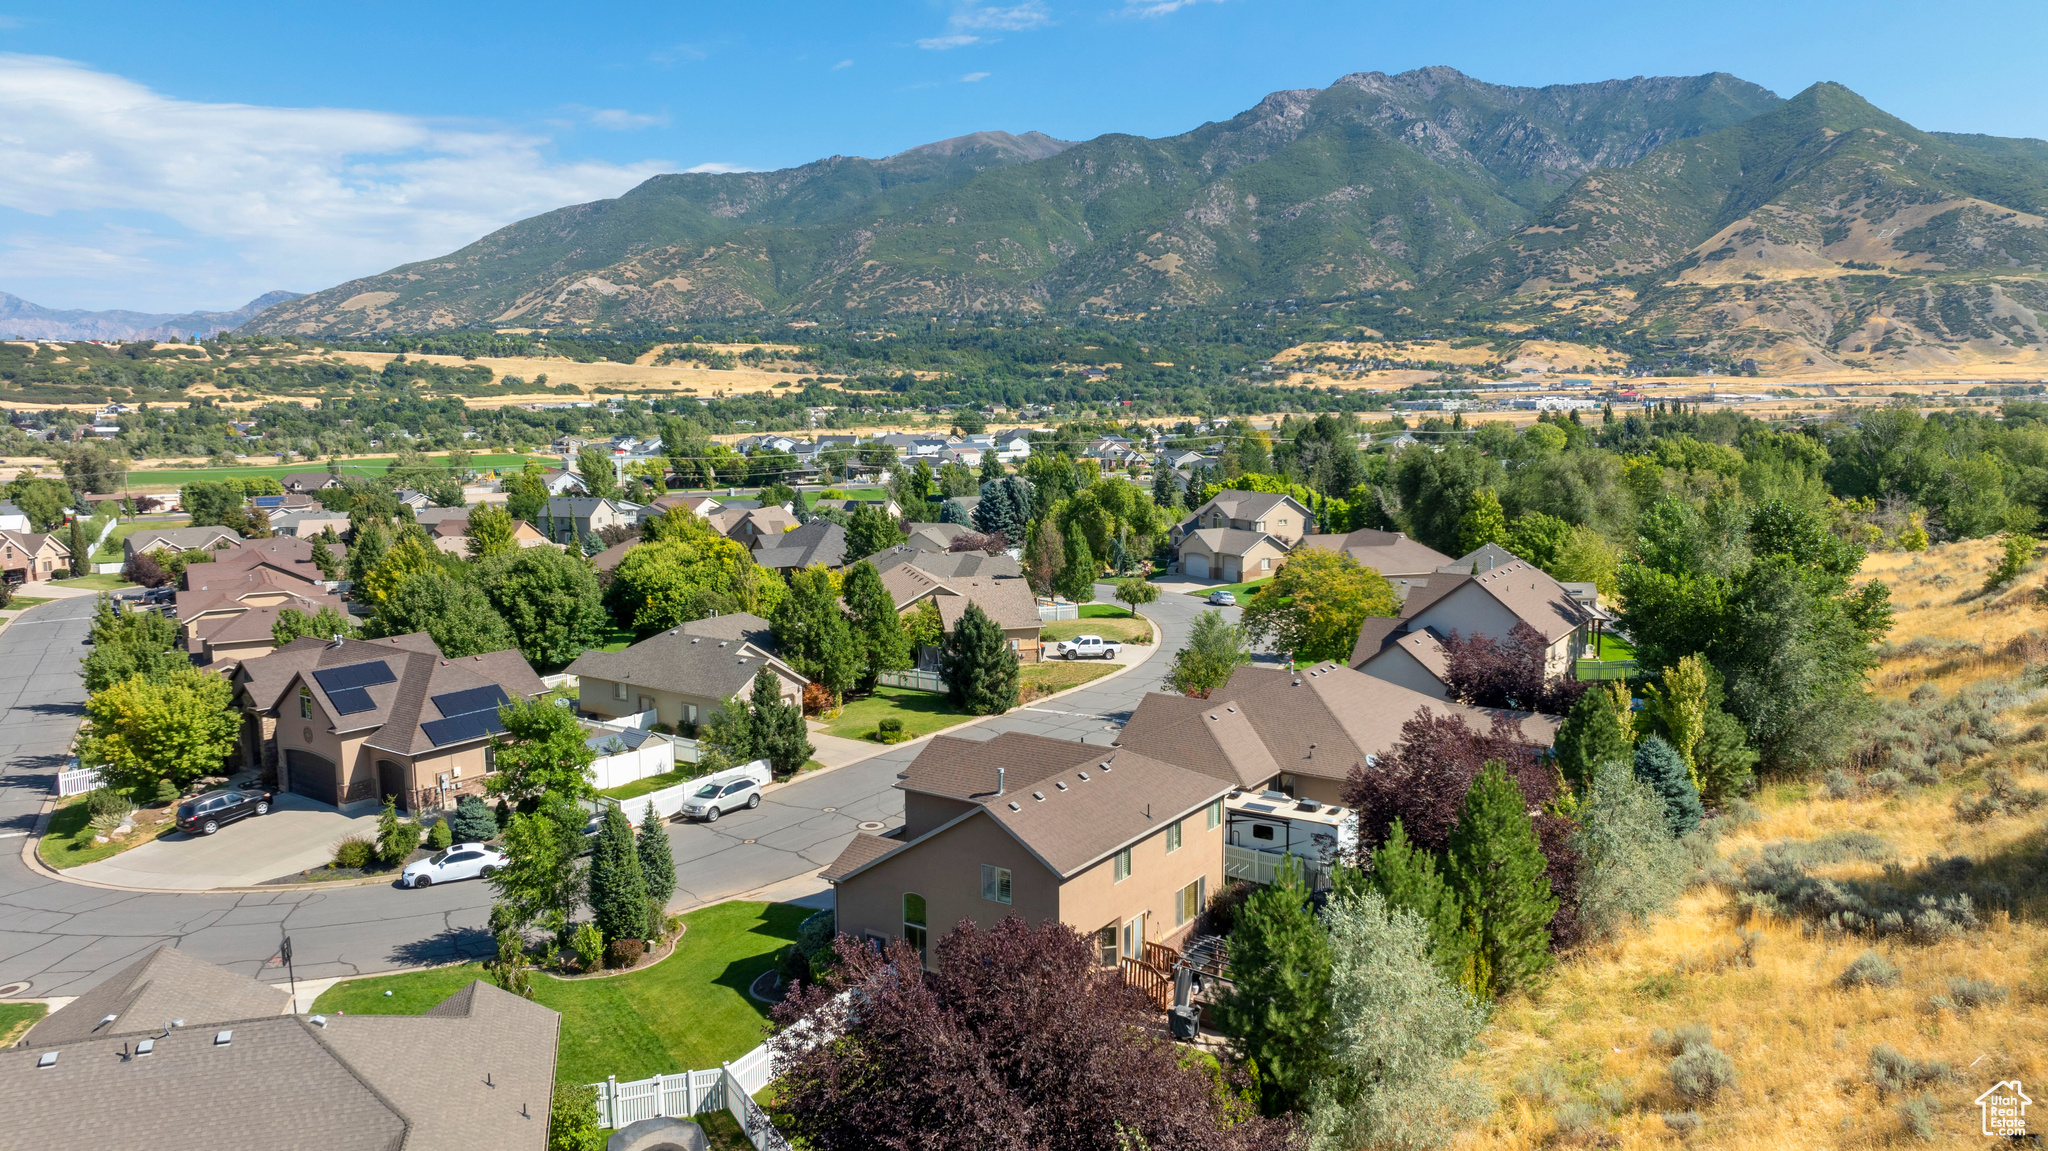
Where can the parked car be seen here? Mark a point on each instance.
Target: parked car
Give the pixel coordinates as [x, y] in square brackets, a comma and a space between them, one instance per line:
[1086, 647]
[457, 861]
[1222, 598]
[209, 811]
[716, 797]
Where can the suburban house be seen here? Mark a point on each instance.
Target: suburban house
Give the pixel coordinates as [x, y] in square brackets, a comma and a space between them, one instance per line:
[933, 537]
[762, 526]
[1409, 650]
[287, 554]
[357, 720]
[305, 482]
[1279, 516]
[817, 542]
[218, 1061]
[1298, 732]
[1230, 554]
[561, 481]
[228, 613]
[1120, 846]
[176, 540]
[888, 506]
[949, 565]
[1008, 602]
[309, 523]
[1013, 444]
[684, 674]
[695, 505]
[570, 518]
[1392, 554]
[31, 557]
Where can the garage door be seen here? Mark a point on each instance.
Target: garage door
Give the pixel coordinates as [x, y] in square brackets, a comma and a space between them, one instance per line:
[1231, 572]
[310, 775]
[1195, 565]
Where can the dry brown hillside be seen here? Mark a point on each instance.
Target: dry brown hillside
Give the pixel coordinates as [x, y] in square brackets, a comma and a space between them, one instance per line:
[1585, 1062]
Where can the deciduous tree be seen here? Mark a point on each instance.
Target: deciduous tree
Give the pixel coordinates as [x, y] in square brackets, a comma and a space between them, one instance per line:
[1507, 673]
[1216, 648]
[1135, 591]
[146, 730]
[1316, 603]
[549, 601]
[812, 634]
[878, 633]
[325, 623]
[870, 530]
[455, 612]
[540, 752]
[490, 533]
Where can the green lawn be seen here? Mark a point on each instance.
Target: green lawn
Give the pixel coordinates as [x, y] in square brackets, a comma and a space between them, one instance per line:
[1119, 627]
[183, 476]
[111, 550]
[922, 713]
[20, 602]
[618, 639]
[1243, 591]
[640, 787]
[68, 842]
[1105, 611]
[1612, 647]
[689, 1012]
[1059, 675]
[111, 581]
[16, 1018]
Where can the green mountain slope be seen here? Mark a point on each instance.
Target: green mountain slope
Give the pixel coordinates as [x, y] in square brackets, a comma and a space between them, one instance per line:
[1375, 182]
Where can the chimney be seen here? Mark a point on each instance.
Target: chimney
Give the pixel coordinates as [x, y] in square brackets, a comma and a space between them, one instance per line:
[999, 781]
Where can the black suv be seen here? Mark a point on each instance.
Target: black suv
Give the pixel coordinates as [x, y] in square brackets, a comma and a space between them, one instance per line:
[203, 814]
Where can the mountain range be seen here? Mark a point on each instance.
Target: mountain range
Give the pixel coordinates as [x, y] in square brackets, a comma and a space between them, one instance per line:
[1703, 208]
[20, 319]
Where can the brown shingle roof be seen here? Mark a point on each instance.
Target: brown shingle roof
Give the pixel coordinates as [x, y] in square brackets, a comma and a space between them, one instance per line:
[1229, 541]
[1391, 554]
[864, 849]
[1216, 738]
[163, 985]
[1520, 587]
[960, 768]
[678, 661]
[1007, 601]
[263, 681]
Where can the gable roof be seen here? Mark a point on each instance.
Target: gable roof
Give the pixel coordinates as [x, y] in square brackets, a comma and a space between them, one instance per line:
[262, 681]
[933, 537]
[1240, 505]
[1008, 602]
[949, 565]
[1203, 735]
[817, 542]
[1484, 558]
[1520, 587]
[743, 626]
[1392, 554]
[163, 985]
[1229, 541]
[178, 539]
[678, 661]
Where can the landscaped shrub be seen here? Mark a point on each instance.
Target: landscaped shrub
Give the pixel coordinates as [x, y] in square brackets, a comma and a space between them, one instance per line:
[1221, 914]
[818, 699]
[588, 944]
[1893, 1073]
[354, 852]
[106, 801]
[166, 793]
[1870, 970]
[440, 836]
[396, 838]
[1630, 868]
[889, 730]
[472, 821]
[625, 952]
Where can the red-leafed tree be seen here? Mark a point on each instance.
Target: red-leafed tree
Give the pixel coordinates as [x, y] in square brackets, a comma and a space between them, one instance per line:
[1486, 672]
[990, 542]
[1423, 781]
[1014, 1041]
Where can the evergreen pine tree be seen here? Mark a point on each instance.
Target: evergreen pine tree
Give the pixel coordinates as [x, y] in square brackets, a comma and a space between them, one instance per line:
[1278, 1013]
[779, 730]
[618, 893]
[1496, 867]
[366, 551]
[1590, 735]
[991, 468]
[1406, 877]
[1165, 489]
[1657, 764]
[878, 632]
[657, 864]
[980, 668]
[323, 558]
[81, 548]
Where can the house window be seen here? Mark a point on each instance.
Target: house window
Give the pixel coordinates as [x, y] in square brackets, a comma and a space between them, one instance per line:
[913, 922]
[1173, 837]
[1266, 564]
[305, 703]
[690, 713]
[1283, 523]
[618, 691]
[1215, 815]
[1105, 946]
[1134, 938]
[1187, 903]
[995, 883]
[1123, 865]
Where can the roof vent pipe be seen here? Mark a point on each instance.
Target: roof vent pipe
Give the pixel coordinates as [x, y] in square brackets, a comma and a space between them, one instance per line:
[999, 781]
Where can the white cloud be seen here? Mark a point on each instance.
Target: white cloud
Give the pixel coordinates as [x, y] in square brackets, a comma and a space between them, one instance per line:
[974, 78]
[242, 198]
[1159, 7]
[841, 64]
[620, 120]
[968, 18]
[719, 167]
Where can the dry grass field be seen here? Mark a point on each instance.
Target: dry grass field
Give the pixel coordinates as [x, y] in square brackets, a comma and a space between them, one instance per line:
[1582, 1064]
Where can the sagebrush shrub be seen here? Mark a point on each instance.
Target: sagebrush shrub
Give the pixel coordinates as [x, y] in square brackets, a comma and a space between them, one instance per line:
[1886, 782]
[1918, 1115]
[1682, 1123]
[1675, 1042]
[1701, 1073]
[2002, 796]
[1970, 994]
[1839, 785]
[1546, 1083]
[1893, 1073]
[1577, 1118]
[1870, 970]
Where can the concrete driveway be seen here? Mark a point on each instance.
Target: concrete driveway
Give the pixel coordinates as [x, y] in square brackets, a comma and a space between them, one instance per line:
[298, 834]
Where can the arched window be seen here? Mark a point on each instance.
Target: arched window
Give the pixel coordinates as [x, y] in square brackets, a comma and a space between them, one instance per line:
[913, 922]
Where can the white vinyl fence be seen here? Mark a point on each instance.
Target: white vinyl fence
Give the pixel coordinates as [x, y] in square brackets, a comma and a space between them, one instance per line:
[1058, 609]
[76, 781]
[654, 757]
[916, 679]
[729, 1088]
[1264, 866]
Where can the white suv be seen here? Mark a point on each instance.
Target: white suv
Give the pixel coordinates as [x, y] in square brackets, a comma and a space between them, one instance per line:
[714, 799]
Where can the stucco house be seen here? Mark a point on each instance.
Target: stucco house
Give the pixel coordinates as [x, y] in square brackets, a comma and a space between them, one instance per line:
[762, 526]
[31, 557]
[817, 542]
[1230, 554]
[1279, 516]
[1392, 554]
[1299, 732]
[310, 481]
[1409, 650]
[1120, 846]
[176, 540]
[571, 518]
[1007, 601]
[357, 720]
[684, 674]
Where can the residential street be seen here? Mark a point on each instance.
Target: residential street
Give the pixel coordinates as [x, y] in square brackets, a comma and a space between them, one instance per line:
[62, 937]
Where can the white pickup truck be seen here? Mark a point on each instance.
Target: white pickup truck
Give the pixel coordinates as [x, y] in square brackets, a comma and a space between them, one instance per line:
[1085, 647]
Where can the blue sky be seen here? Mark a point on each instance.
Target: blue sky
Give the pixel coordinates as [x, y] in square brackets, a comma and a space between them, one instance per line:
[167, 156]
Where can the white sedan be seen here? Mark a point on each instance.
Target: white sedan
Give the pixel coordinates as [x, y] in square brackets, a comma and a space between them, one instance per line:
[461, 861]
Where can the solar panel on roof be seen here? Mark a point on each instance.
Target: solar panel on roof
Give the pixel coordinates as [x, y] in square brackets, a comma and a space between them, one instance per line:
[350, 700]
[475, 725]
[463, 702]
[333, 679]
